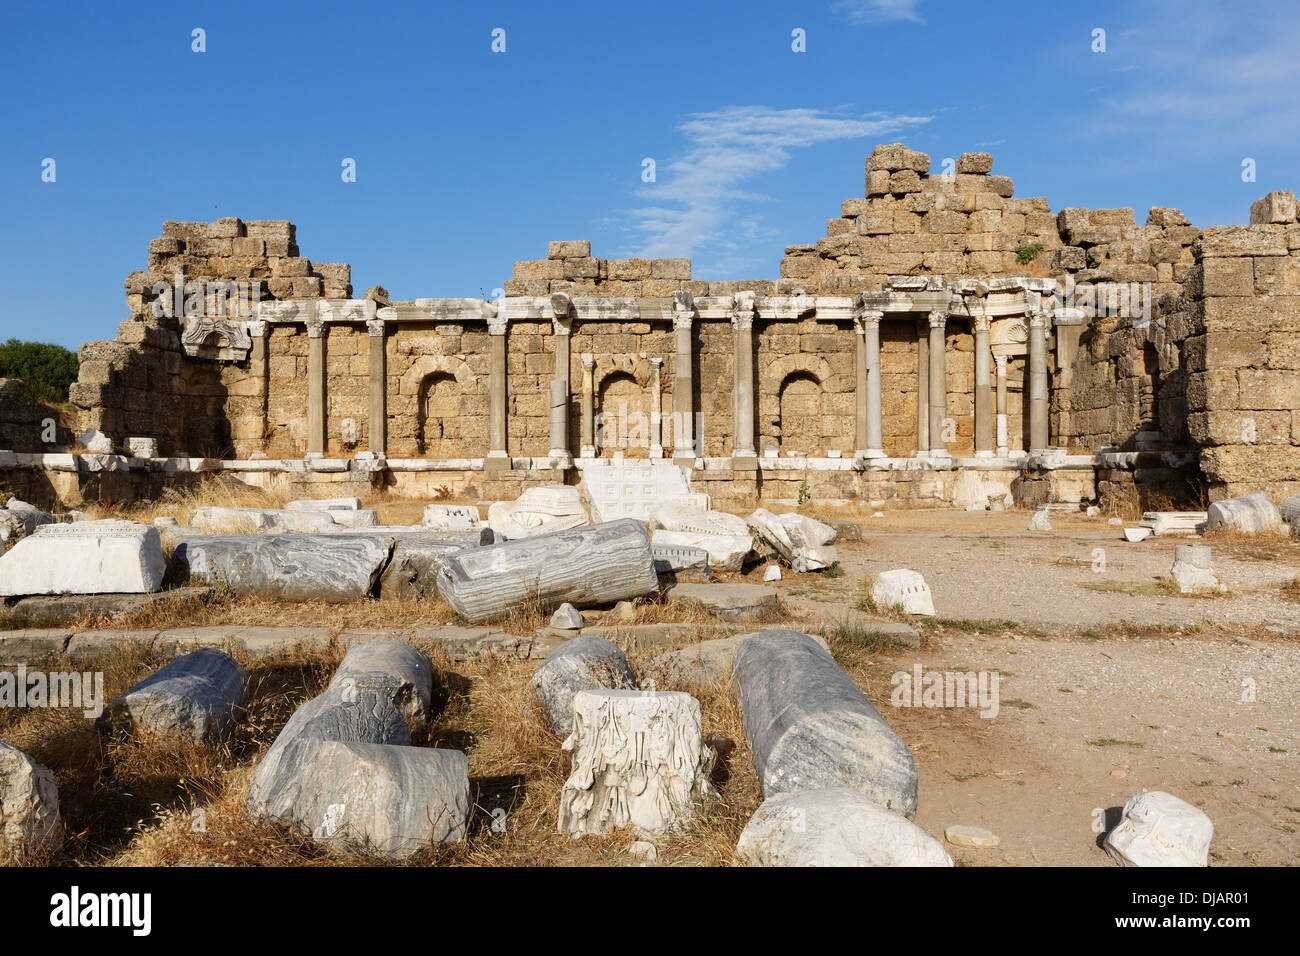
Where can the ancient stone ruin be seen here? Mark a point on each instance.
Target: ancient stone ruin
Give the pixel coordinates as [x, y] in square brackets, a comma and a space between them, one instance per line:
[942, 327]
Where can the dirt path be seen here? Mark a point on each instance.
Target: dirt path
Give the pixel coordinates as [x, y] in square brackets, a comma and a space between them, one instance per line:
[1088, 716]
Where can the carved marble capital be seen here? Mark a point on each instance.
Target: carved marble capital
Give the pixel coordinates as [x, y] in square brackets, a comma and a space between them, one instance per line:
[938, 320]
[315, 326]
[865, 319]
[375, 328]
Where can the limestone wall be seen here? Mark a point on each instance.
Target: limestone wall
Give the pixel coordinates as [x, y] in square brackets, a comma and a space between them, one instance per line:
[1162, 338]
[1242, 304]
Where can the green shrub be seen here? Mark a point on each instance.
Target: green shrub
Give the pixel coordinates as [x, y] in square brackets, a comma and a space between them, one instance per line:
[1027, 254]
[48, 370]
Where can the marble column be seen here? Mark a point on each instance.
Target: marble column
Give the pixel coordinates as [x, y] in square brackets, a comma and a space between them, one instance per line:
[656, 408]
[558, 396]
[315, 385]
[742, 326]
[260, 330]
[684, 437]
[498, 456]
[1003, 449]
[1038, 402]
[923, 390]
[562, 325]
[588, 449]
[983, 389]
[378, 386]
[870, 399]
[938, 384]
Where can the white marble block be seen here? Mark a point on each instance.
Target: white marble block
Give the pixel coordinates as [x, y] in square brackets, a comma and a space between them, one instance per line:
[1192, 570]
[903, 588]
[834, 827]
[88, 557]
[1158, 829]
[451, 518]
[537, 511]
[632, 488]
[324, 504]
[29, 805]
[639, 761]
[725, 537]
[802, 542]
[1253, 514]
[142, 447]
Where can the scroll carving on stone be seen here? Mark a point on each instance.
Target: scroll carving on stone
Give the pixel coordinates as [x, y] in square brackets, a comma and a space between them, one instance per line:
[208, 337]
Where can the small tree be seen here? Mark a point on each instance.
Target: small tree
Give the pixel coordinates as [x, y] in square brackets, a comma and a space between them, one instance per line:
[48, 370]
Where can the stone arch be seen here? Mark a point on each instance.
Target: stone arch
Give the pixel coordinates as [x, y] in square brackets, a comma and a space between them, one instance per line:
[794, 406]
[622, 408]
[439, 384]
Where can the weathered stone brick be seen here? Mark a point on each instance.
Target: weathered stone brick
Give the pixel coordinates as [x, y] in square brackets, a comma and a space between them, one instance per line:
[976, 163]
[1274, 274]
[670, 268]
[569, 249]
[1276, 207]
[1260, 240]
[291, 267]
[628, 268]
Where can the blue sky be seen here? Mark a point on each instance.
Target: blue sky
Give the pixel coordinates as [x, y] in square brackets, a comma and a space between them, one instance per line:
[468, 159]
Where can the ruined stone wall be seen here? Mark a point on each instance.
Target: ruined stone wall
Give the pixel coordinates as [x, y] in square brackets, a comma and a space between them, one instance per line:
[1165, 338]
[1243, 358]
[912, 222]
[143, 384]
[1129, 374]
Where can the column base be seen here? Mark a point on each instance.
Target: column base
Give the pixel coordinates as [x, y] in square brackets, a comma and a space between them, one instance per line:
[684, 458]
[496, 461]
[870, 453]
[983, 453]
[1003, 451]
[587, 451]
[744, 462]
[655, 452]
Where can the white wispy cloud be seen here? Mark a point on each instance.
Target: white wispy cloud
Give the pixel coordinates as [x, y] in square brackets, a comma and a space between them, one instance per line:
[1206, 73]
[863, 12]
[703, 200]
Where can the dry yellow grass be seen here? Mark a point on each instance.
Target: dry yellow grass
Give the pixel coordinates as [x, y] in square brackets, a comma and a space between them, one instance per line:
[137, 802]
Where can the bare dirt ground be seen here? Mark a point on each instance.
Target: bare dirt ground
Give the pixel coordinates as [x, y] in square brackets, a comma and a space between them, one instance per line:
[1103, 692]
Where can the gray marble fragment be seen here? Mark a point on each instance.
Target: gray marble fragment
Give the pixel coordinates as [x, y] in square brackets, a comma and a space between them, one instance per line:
[391, 801]
[583, 663]
[810, 727]
[194, 697]
[393, 667]
[589, 565]
[297, 567]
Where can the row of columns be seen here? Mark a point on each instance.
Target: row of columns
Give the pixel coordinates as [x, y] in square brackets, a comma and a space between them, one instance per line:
[932, 395]
[932, 392]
